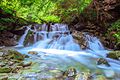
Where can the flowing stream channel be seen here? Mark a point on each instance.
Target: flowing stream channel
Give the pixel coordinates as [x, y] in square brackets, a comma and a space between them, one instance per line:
[57, 49]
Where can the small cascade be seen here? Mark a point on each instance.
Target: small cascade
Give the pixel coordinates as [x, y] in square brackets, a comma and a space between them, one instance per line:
[22, 39]
[93, 43]
[56, 36]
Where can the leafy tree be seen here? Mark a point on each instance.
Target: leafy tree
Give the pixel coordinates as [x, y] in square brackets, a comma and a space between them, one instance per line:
[47, 10]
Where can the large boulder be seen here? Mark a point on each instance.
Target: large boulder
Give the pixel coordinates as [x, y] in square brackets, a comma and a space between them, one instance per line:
[80, 39]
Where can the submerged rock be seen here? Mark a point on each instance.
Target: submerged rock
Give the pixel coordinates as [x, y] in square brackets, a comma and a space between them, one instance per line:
[109, 73]
[25, 64]
[114, 55]
[32, 52]
[100, 77]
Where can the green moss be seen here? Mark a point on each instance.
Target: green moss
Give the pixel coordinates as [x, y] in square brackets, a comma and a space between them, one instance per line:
[15, 55]
[5, 70]
[114, 55]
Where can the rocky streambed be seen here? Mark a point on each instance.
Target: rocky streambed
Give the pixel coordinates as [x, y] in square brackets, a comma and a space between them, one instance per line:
[16, 66]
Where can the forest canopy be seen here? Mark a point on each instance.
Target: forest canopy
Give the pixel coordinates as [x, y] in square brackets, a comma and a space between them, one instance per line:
[44, 10]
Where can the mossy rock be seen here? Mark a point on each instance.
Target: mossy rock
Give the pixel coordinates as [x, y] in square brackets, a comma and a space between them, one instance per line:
[5, 70]
[71, 72]
[102, 61]
[12, 54]
[114, 55]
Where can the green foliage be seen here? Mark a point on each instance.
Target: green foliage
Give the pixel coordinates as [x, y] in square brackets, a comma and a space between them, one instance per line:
[31, 10]
[47, 10]
[69, 9]
[117, 36]
[116, 28]
[2, 27]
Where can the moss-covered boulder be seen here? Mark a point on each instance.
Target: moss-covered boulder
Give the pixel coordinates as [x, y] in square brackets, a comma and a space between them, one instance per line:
[114, 55]
[12, 54]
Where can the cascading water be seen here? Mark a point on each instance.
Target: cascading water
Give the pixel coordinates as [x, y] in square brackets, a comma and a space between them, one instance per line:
[55, 44]
[22, 39]
[94, 43]
[58, 37]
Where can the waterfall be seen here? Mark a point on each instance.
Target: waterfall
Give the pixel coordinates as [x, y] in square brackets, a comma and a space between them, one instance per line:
[22, 38]
[57, 36]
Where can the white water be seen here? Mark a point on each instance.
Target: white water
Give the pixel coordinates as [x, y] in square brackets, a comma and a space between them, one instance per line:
[22, 39]
[57, 45]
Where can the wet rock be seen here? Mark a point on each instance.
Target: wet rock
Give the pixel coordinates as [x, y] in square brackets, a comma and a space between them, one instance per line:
[32, 52]
[83, 76]
[25, 64]
[102, 61]
[34, 68]
[5, 70]
[26, 56]
[10, 63]
[80, 39]
[114, 55]
[15, 55]
[71, 72]
[15, 69]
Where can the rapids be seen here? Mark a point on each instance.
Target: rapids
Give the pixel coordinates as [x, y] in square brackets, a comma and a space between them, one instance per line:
[55, 45]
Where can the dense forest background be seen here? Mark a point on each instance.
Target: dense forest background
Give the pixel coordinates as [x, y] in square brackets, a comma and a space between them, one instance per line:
[99, 17]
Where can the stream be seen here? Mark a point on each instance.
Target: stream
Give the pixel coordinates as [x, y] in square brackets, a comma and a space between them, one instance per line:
[57, 50]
